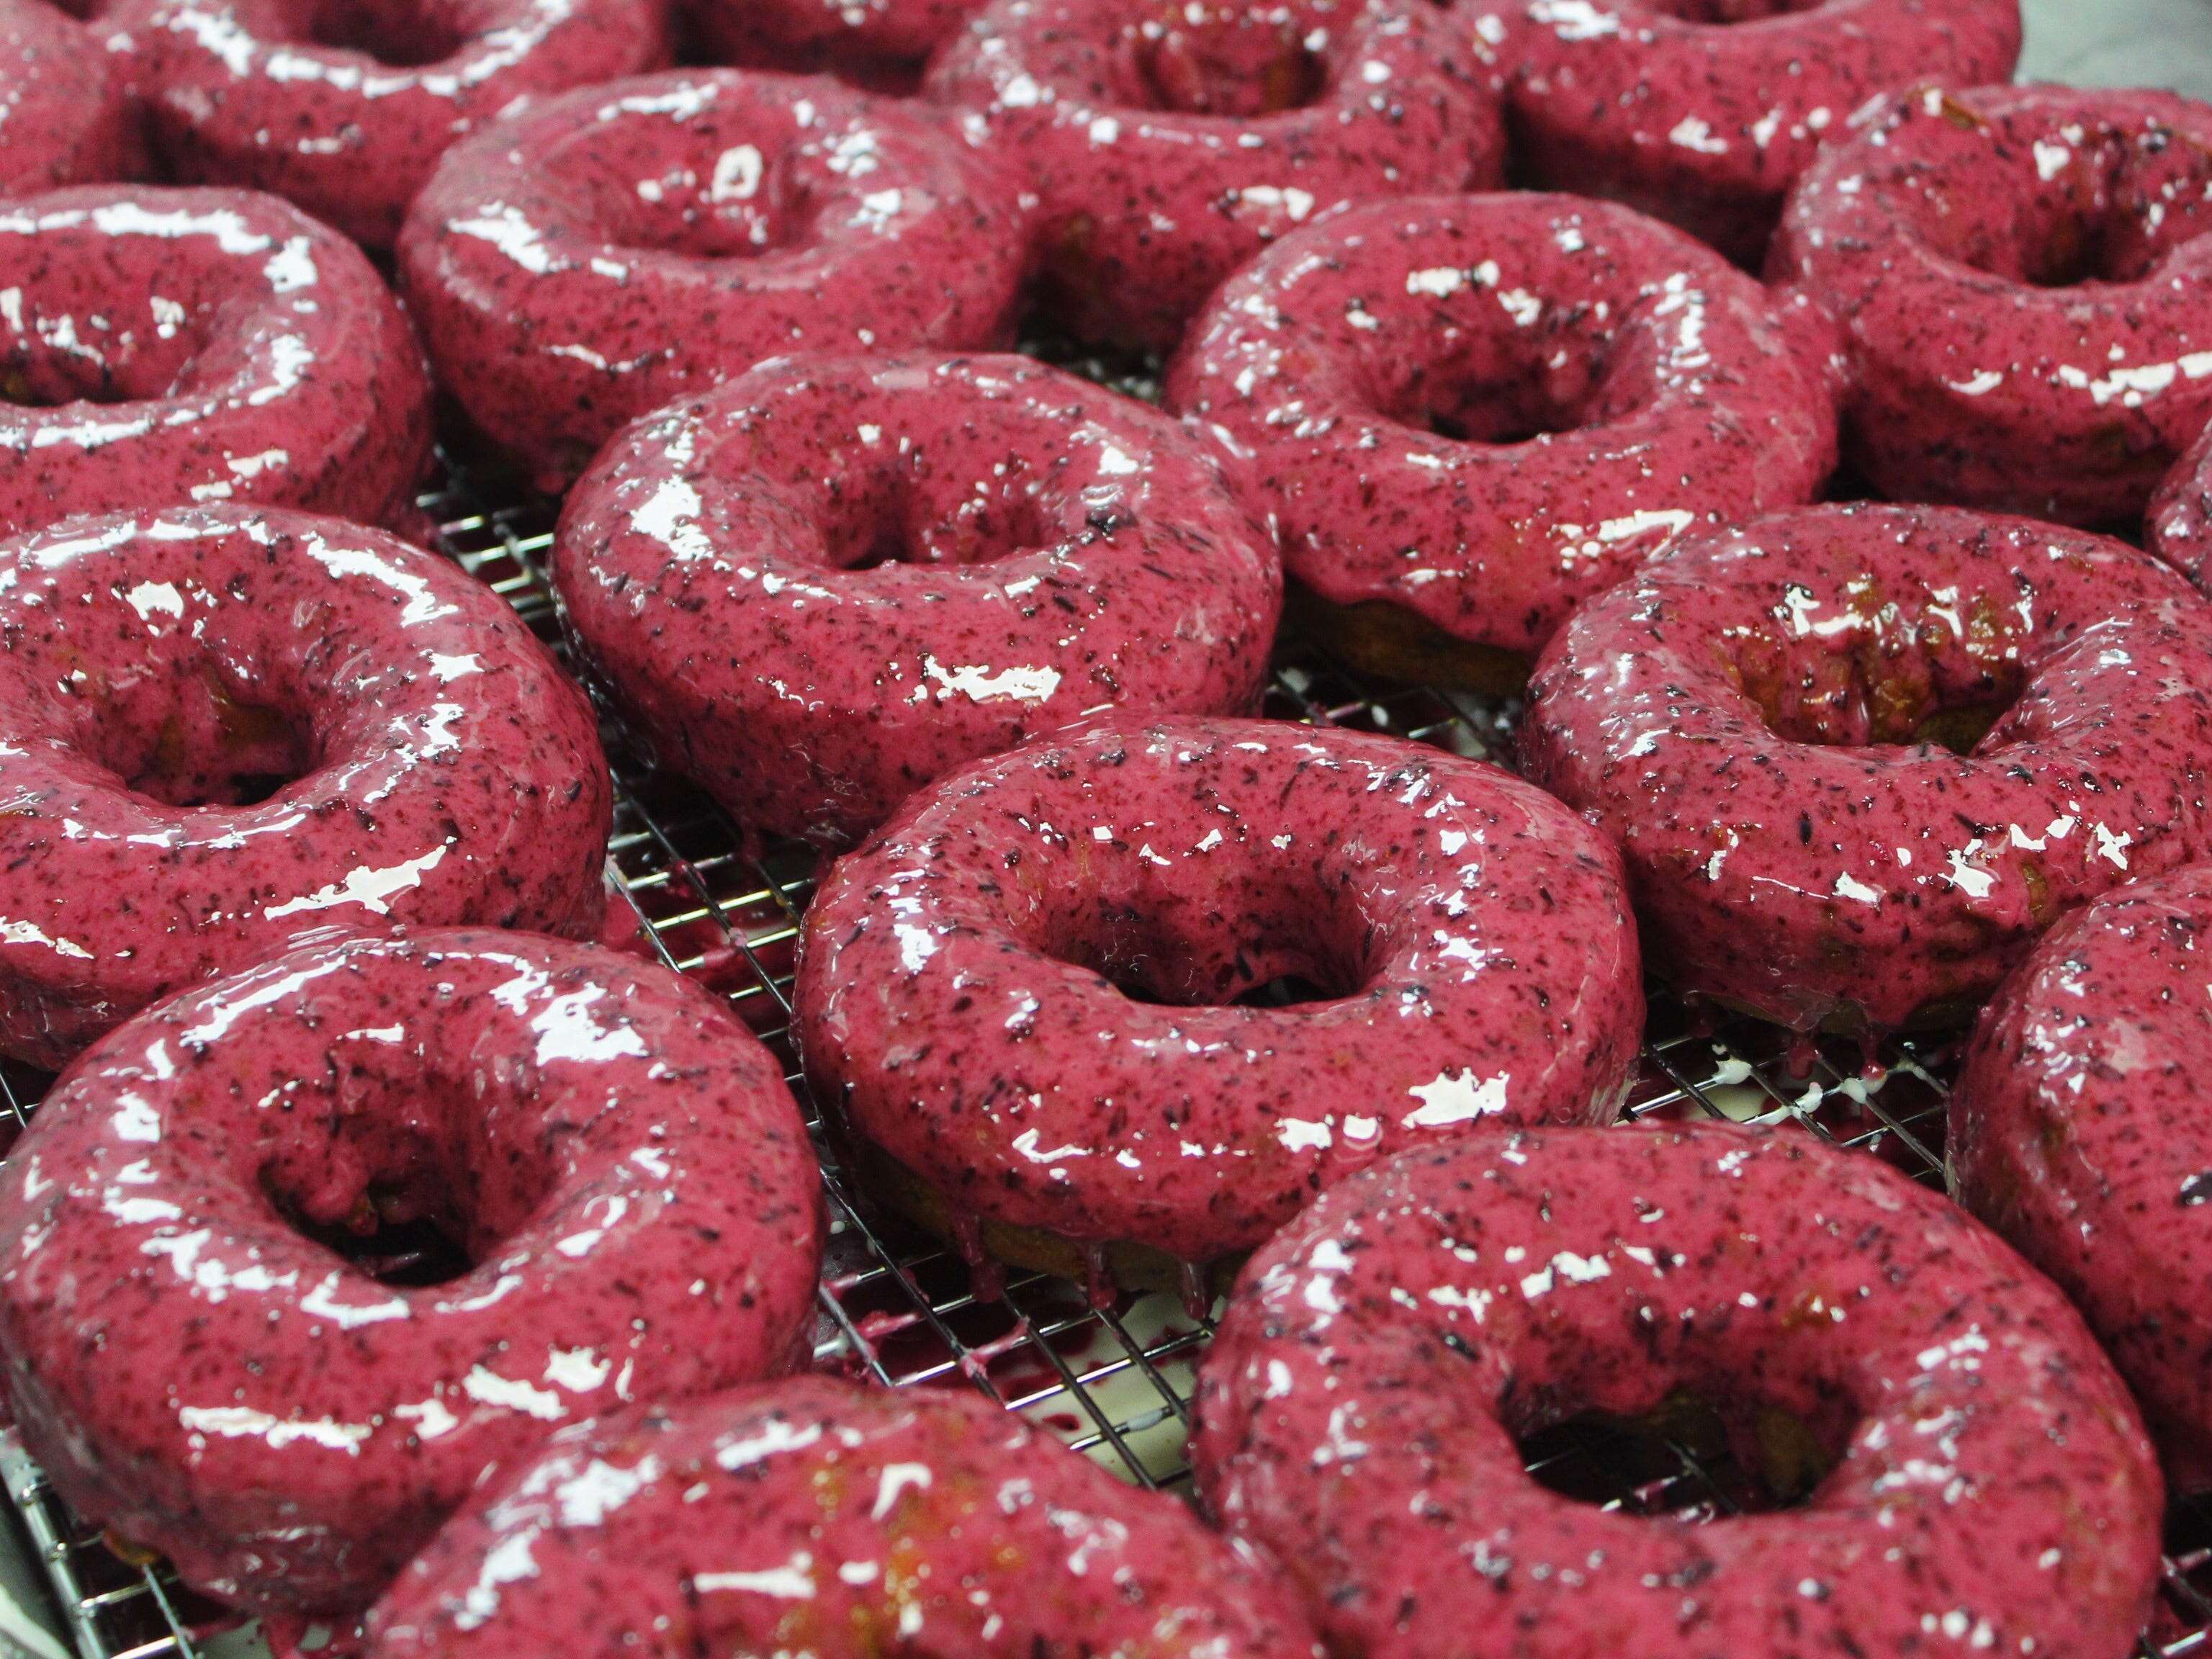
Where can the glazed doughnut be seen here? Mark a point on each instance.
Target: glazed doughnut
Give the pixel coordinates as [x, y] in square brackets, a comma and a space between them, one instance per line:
[1702, 111]
[770, 214]
[816, 1517]
[181, 346]
[2179, 525]
[1168, 143]
[1025, 990]
[1474, 412]
[221, 728]
[2021, 276]
[344, 108]
[1858, 758]
[201, 1369]
[1988, 1486]
[66, 117]
[818, 588]
[883, 41]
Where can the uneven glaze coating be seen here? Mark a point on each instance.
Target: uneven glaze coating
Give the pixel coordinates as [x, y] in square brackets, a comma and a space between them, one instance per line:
[960, 996]
[816, 1517]
[1485, 409]
[871, 39]
[1702, 111]
[823, 584]
[193, 346]
[200, 1367]
[65, 117]
[2023, 277]
[346, 108]
[2178, 526]
[1168, 144]
[606, 253]
[1991, 1488]
[1759, 719]
[160, 675]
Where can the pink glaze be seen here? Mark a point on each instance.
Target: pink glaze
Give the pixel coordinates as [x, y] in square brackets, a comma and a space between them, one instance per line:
[2178, 526]
[1168, 144]
[820, 587]
[1370, 379]
[607, 252]
[66, 117]
[872, 38]
[1751, 717]
[959, 998]
[163, 672]
[2024, 281]
[199, 346]
[615, 1152]
[1992, 1490]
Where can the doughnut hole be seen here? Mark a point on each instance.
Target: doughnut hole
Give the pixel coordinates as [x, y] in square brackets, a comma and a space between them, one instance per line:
[1723, 13]
[134, 350]
[898, 512]
[725, 193]
[397, 33]
[1221, 58]
[1694, 1457]
[184, 727]
[1497, 384]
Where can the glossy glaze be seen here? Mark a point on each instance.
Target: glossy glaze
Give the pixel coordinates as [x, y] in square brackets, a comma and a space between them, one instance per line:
[163, 672]
[1369, 380]
[1169, 144]
[2178, 525]
[958, 997]
[1756, 718]
[1993, 1490]
[65, 117]
[830, 580]
[872, 38]
[2024, 281]
[166, 346]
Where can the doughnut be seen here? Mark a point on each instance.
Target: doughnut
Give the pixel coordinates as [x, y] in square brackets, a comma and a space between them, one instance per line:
[1168, 144]
[769, 214]
[817, 587]
[885, 42]
[816, 1517]
[1465, 415]
[1034, 989]
[2020, 278]
[1970, 1474]
[2179, 525]
[66, 117]
[345, 108]
[1859, 759]
[178, 346]
[221, 728]
[286, 1263]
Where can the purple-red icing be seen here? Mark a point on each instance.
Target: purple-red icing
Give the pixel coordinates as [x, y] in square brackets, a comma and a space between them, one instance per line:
[604, 253]
[160, 674]
[1758, 719]
[1992, 1491]
[196, 346]
[346, 108]
[2178, 526]
[1486, 409]
[1702, 111]
[960, 998]
[822, 585]
[615, 1154]
[1168, 144]
[874, 39]
[2023, 277]
[66, 117]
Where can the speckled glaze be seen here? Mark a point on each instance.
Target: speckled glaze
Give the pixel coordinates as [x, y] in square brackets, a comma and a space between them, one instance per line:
[2024, 281]
[1702, 111]
[958, 997]
[1993, 1490]
[266, 93]
[1663, 395]
[2078, 1131]
[184, 346]
[617, 1155]
[2178, 526]
[816, 1517]
[874, 38]
[768, 213]
[65, 117]
[1168, 144]
[159, 672]
[1758, 719]
[834, 579]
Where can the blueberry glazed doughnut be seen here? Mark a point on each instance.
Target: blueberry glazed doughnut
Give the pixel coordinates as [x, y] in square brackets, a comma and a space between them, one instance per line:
[65, 117]
[818, 588]
[617, 1190]
[2023, 277]
[2179, 525]
[1465, 415]
[1982, 1482]
[219, 728]
[194, 346]
[766, 213]
[880, 41]
[1168, 143]
[1859, 759]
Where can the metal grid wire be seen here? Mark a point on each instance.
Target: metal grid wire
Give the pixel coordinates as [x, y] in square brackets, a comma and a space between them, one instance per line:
[1115, 1381]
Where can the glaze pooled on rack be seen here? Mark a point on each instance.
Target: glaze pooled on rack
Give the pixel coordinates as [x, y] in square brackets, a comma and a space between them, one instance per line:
[65, 116]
